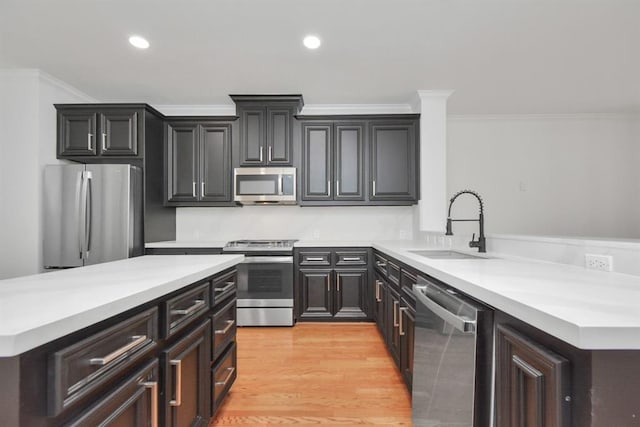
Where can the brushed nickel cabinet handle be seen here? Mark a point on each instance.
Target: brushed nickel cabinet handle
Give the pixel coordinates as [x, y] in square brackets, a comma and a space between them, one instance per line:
[193, 189]
[202, 188]
[374, 187]
[224, 331]
[395, 314]
[101, 361]
[328, 284]
[153, 385]
[314, 258]
[261, 153]
[270, 157]
[197, 304]
[352, 258]
[378, 283]
[338, 282]
[226, 380]
[226, 288]
[104, 141]
[178, 400]
[337, 187]
[329, 188]
[401, 327]
[89, 146]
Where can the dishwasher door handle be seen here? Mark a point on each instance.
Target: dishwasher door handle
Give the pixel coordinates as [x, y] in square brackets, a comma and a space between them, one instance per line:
[460, 323]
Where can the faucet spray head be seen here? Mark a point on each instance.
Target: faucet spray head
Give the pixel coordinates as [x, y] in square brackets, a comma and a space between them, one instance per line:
[449, 231]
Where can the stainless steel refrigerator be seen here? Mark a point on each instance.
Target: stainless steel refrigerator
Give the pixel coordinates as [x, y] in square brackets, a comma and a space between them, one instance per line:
[93, 214]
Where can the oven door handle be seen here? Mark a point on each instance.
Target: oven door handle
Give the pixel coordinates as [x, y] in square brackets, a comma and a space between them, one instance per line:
[268, 259]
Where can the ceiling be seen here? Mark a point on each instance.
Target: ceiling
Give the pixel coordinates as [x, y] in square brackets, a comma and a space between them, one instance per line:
[500, 57]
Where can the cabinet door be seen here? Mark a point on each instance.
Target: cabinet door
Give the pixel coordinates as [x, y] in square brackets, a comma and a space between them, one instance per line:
[132, 404]
[406, 332]
[215, 162]
[350, 295]
[317, 164]
[392, 323]
[349, 161]
[379, 293]
[119, 133]
[531, 382]
[279, 137]
[393, 161]
[252, 136]
[187, 390]
[315, 294]
[77, 133]
[182, 174]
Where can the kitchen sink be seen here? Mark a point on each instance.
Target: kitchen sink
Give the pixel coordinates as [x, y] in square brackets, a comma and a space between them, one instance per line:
[446, 254]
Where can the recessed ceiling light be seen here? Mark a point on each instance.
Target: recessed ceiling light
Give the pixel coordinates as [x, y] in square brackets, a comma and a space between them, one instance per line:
[139, 42]
[311, 42]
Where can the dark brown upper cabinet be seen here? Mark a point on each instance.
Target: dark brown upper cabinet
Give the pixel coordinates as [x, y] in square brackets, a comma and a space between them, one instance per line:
[394, 160]
[199, 162]
[266, 128]
[99, 130]
[359, 160]
[333, 161]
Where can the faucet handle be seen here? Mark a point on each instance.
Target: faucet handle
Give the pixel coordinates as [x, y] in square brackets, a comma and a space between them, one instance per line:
[474, 243]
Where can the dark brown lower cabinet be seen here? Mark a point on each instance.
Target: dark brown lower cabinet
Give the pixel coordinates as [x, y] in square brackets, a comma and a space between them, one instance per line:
[392, 323]
[132, 404]
[380, 296]
[532, 382]
[186, 372]
[223, 376]
[406, 331]
[328, 294]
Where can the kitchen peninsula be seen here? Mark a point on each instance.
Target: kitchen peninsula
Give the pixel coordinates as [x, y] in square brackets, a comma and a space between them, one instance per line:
[115, 339]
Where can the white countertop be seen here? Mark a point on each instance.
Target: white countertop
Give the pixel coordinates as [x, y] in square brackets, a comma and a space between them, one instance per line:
[588, 309]
[332, 243]
[38, 309]
[187, 244]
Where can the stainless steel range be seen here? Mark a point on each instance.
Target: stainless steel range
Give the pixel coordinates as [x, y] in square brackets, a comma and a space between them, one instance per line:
[265, 282]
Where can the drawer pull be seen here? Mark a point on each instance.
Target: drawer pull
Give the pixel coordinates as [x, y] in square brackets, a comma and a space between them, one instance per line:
[198, 304]
[153, 385]
[178, 400]
[226, 288]
[226, 380]
[224, 331]
[101, 361]
[378, 283]
[400, 327]
[315, 258]
[381, 264]
[395, 314]
[352, 258]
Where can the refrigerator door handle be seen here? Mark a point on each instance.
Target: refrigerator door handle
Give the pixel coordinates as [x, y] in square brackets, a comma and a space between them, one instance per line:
[82, 213]
[89, 201]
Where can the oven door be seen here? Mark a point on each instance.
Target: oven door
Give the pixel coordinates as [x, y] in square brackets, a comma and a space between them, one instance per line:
[265, 281]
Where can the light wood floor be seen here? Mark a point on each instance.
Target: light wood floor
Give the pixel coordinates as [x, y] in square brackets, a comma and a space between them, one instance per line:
[331, 374]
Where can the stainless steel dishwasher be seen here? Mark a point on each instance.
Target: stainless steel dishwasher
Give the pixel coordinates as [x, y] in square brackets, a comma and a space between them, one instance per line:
[452, 371]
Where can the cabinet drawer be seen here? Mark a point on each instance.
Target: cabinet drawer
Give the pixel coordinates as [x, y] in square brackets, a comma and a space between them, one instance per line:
[380, 264]
[78, 370]
[407, 279]
[223, 287]
[223, 376]
[135, 402]
[351, 258]
[224, 327]
[315, 258]
[393, 273]
[183, 309]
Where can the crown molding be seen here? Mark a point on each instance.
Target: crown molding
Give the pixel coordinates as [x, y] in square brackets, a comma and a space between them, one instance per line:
[353, 109]
[560, 116]
[197, 110]
[41, 75]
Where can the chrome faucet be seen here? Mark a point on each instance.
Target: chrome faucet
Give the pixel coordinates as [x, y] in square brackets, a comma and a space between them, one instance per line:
[481, 242]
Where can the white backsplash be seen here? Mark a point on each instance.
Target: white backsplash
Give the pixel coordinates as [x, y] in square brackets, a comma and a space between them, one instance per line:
[295, 222]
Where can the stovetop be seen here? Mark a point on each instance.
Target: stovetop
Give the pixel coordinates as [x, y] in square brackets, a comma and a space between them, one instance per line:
[259, 245]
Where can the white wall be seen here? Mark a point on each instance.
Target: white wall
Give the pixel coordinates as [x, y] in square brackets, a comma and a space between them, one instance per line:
[27, 142]
[548, 175]
[281, 222]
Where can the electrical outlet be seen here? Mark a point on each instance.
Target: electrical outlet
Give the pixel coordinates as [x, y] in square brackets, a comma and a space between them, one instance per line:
[598, 262]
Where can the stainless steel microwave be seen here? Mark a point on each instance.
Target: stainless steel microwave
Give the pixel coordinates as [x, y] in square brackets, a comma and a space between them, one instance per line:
[264, 185]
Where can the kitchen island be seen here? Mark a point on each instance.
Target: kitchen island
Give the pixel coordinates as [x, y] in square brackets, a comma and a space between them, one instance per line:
[77, 345]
